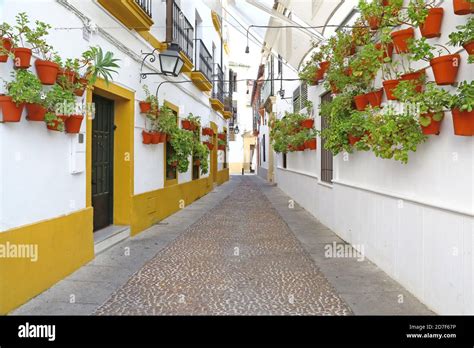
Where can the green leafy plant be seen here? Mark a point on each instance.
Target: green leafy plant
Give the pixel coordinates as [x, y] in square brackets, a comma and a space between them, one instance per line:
[23, 33]
[283, 130]
[99, 64]
[366, 65]
[182, 144]
[464, 35]
[196, 120]
[394, 135]
[60, 100]
[25, 87]
[201, 153]
[463, 99]
[417, 11]
[166, 123]
[52, 119]
[308, 73]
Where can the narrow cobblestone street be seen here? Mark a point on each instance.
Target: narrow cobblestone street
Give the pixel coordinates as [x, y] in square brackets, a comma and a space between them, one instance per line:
[237, 251]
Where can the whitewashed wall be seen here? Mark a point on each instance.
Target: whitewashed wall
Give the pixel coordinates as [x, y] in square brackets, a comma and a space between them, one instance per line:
[416, 220]
[35, 183]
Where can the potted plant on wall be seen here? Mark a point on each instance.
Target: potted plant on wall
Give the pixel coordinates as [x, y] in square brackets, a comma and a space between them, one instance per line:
[22, 34]
[23, 88]
[221, 144]
[464, 37]
[309, 73]
[426, 16]
[462, 109]
[445, 67]
[372, 12]
[463, 7]
[150, 103]
[191, 122]
[6, 42]
[60, 103]
[201, 155]
[182, 144]
[98, 65]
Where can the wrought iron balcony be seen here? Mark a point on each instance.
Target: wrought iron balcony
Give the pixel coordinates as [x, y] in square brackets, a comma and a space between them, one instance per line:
[178, 29]
[203, 60]
[145, 6]
[218, 83]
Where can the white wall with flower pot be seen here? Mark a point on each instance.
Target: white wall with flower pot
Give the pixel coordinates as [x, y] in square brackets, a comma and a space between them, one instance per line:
[415, 220]
[35, 182]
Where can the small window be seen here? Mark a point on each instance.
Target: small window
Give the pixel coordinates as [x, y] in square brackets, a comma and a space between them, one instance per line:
[171, 170]
[326, 156]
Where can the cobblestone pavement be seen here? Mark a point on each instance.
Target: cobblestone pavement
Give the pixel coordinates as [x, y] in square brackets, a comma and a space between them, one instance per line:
[240, 258]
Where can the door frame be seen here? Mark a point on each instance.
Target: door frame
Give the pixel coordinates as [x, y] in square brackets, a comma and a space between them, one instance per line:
[123, 157]
[214, 163]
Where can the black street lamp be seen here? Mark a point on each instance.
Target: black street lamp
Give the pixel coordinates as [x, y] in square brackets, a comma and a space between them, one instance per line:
[171, 62]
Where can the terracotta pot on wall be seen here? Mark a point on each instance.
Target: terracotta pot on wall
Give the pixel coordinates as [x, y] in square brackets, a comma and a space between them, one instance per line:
[432, 26]
[35, 112]
[310, 144]
[417, 77]
[433, 128]
[186, 124]
[469, 47]
[144, 107]
[155, 137]
[22, 57]
[7, 45]
[463, 122]
[308, 123]
[445, 68]
[361, 102]
[54, 126]
[73, 123]
[463, 7]
[146, 137]
[47, 71]
[65, 76]
[375, 98]
[400, 39]
[353, 140]
[11, 111]
[389, 86]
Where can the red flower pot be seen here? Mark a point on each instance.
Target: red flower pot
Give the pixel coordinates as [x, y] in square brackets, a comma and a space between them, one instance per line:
[35, 112]
[445, 68]
[310, 144]
[7, 45]
[433, 127]
[469, 47]
[308, 123]
[146, 137]
[323, 67]
[222, 136]
[197, 163]
[11, 111]
[162, 137]
[432, 26]
[400, 39]
[144, 107]
[463, 122]
[186, 124]
[387, 50]
[47, 71]
[73, 124]
[374, 22]
[361, 102]
[352, 139]
[300, 148]
[389, 86]
[375, 98]
[56, 124]
[221, 147]
[65, 77]
[155, 138]
[22, 57]
[463, 7]
[209, 145]
[79, 92]
[417, 77]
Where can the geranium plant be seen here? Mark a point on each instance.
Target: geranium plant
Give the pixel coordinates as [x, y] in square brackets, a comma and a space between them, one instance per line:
[464, 37]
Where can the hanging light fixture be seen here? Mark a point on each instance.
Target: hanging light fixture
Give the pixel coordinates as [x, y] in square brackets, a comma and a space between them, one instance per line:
[171, 62]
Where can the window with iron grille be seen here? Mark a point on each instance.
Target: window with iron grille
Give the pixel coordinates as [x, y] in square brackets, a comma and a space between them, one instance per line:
[326, 156]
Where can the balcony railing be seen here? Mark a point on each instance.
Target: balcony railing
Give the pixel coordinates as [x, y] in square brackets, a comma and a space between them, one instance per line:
[218, 83]
[178, 29]
[203, 60]
[145, 6]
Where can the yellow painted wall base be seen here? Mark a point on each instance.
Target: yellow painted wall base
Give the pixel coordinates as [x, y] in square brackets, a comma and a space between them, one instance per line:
[64, 244]
[222, 176]
[151, 207]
